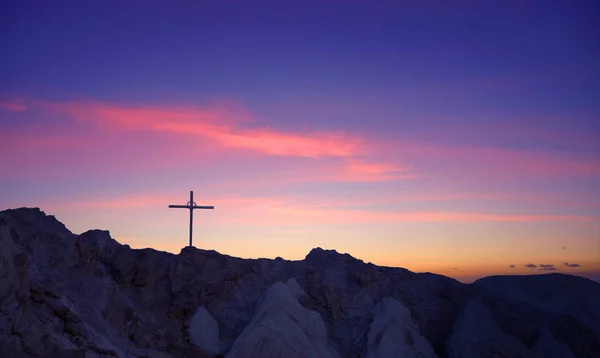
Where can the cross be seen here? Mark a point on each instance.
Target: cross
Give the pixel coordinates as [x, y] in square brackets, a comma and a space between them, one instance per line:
[191, 205]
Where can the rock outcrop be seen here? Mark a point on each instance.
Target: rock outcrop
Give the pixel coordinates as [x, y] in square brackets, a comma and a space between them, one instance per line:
[281, 327]
[67, 295]
[393, 333]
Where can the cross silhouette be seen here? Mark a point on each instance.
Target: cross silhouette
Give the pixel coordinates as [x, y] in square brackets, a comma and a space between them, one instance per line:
[191, 205]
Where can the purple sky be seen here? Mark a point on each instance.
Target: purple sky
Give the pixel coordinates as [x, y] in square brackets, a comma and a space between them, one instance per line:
[455, 137]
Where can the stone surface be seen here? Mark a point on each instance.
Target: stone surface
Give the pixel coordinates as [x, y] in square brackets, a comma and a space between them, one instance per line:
[67, 295]
[281, 327]
[393, 333]
[204, 332]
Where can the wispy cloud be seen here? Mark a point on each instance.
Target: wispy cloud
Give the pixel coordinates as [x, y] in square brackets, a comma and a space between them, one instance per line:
[359, 170]
[227, 128]
[219, 129]
[546, 267]
[217, 123]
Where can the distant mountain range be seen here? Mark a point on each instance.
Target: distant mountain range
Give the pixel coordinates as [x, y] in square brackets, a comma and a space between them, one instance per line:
[67, 295]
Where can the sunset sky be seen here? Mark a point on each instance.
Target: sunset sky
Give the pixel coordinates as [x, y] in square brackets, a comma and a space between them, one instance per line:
[455, 137]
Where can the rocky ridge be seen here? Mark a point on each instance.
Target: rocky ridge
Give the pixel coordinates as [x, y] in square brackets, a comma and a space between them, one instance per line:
[67, 295]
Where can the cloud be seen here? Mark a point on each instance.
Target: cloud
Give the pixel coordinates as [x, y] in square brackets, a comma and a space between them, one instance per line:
[226, 128]
[175, 134]
[359, 170]
[220, 124]
[541, 267]
[571, 265]
[511, 266]
[548, 267]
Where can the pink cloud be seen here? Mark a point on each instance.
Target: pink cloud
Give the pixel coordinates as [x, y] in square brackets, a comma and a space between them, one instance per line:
[218, 124]
[149, 135]
[314, 145]
[356, 170]
[109, 135]
[345, 170]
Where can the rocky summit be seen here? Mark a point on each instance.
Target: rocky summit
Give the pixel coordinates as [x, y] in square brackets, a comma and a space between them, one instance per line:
[67, 295]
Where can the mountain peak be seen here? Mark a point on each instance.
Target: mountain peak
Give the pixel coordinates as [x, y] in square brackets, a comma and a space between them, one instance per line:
[321, 255]
[34, 216]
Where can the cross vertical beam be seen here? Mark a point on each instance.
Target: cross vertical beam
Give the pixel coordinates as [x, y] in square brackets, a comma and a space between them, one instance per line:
[191, 205]
[191, 215]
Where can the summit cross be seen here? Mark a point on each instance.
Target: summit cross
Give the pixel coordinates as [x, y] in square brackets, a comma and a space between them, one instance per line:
[191, 205]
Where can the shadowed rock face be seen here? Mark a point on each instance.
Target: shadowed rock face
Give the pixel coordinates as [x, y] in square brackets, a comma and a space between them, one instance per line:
[556, 293]
[68, 295]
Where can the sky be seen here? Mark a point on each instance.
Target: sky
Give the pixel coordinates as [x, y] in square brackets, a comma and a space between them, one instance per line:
[460, 138]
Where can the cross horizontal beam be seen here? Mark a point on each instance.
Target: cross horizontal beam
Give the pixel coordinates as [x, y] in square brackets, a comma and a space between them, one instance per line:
[191, 207]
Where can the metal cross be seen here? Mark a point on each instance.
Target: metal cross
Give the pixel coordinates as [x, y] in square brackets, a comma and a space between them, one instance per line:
[191, 205]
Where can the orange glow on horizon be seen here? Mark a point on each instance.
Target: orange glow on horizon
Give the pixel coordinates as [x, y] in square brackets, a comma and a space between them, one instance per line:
[462, 271]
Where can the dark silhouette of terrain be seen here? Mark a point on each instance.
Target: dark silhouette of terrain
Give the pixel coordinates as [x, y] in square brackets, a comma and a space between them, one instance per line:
[67, 295]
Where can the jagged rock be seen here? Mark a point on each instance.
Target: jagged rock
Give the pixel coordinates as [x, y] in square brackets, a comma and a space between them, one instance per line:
[66, 295]
[281, 327]
[394, 334]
